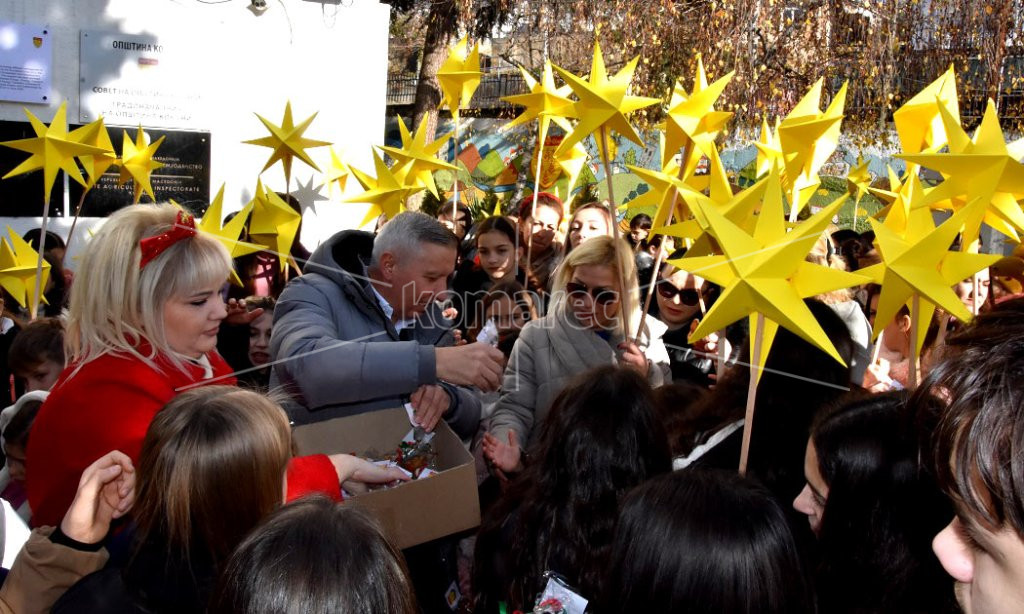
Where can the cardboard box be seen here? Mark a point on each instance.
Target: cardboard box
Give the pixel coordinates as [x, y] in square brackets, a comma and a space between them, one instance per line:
[416, 511]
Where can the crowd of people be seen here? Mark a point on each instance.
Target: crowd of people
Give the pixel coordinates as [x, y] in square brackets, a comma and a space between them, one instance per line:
[148, 437]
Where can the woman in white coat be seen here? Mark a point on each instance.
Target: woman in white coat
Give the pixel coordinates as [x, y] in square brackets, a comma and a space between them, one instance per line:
[596, 301]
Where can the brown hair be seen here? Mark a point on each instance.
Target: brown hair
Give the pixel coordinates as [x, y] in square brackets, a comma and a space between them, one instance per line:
[38, 342]
[212, 466]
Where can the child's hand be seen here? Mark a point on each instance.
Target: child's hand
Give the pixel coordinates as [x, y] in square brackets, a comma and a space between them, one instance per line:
[504, 457]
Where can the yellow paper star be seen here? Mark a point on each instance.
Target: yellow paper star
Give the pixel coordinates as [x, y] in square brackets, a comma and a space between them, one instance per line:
[229, 233]
[766, 272]
[18, 263]
[95, 134]
[740, 209]
[919, 123]
[137, 163]
[388, 192]
[858, 180]
[287, 141]
[337, 173]
[571, 162]
[52, 150]
[603, 102]
[273, 223]
[545, 102]
[919, 262]
[668, 190]
[692, 117]
[419, 158]
[979, 168]
[769, 150]
[459, 76]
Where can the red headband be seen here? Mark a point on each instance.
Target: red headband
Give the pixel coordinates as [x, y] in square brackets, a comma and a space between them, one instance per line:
[184, 227]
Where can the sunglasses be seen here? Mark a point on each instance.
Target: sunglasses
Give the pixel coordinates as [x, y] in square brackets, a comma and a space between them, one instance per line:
[601, 296]
[687, 296]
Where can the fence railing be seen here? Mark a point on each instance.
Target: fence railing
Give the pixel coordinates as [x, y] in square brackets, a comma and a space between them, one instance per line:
[493, 86]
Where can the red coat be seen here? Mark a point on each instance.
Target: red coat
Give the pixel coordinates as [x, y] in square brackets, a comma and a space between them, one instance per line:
[107, 405]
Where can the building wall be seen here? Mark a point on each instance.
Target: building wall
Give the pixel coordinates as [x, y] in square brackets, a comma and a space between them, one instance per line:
[324, 57]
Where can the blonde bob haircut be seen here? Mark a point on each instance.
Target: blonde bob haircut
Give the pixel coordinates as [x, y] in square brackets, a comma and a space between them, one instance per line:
[114, 305]
[607, 251]
[211, 469]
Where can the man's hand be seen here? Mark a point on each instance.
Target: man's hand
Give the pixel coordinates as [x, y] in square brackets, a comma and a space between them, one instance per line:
[475, 364]
[106, 491]
[430, 403]
[633, 358]
[238, 315]
[503, 457]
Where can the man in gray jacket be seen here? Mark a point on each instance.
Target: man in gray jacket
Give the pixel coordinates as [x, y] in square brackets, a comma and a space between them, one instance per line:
[361, 330]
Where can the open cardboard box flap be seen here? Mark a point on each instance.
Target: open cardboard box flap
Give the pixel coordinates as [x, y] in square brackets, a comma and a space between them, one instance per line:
[414, 512]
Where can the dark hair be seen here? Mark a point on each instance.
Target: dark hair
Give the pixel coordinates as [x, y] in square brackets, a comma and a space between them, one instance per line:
[446, 210]
[521, 299]
[497, 223]
[979, 434]
[544, 199]
[266, 303]
[17, 430]
[318, 557]
[641, 220]
[704, 541]
[600, 439]
[675, 403]
[798, 380]
[52, 241]
[38, 342]
[881, 512]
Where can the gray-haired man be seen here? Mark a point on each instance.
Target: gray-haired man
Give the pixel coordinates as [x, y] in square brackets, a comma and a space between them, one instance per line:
[360, 330]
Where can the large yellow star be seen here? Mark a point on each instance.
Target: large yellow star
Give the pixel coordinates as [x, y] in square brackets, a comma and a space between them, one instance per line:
[918, 262]
[766, 272]
[137, 163]
[229, 233]
[692, 117]
[919, 123]
[980, 168]
[273, 223]
[459, 76]
[603, 102]
[287, 141]
[95, 134]
[388, 192]
[18, 265]
[419, 157]
[52, 150]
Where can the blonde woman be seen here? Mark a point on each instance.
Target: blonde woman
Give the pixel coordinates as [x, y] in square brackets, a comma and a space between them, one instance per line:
[595, 300]
[142, 325]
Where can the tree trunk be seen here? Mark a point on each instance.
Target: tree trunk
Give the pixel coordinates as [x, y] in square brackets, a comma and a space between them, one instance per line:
[441, 24]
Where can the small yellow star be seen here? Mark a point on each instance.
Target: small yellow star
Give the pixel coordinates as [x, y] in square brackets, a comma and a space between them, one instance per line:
[137, 163]
[387, 192]
[419, 158]
[18, 262]
[858, 180]
[287, 141]
[95, 134]
[692, 116]
[337, 173]
[273, 223]
[459, 76]
[545, 102]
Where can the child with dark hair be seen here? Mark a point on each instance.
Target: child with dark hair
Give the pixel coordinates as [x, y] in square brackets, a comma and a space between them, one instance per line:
[875, 511]
[977, 447]
[36, 357]
[704, 541]
[639, 228]
[600, 439]
[316, 557]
